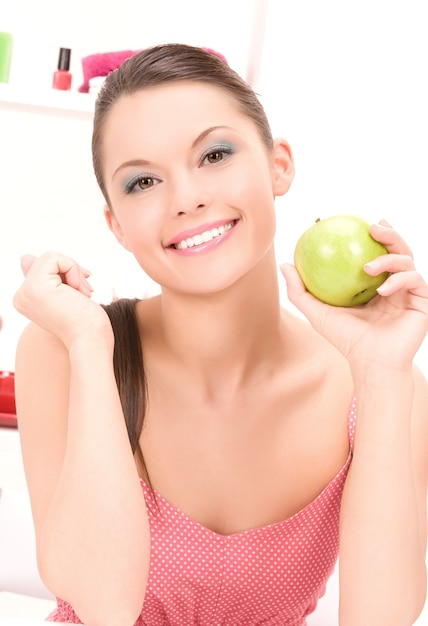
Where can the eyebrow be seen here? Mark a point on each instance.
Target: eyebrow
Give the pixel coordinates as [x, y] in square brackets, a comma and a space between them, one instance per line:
[144, 162]
[206, 132]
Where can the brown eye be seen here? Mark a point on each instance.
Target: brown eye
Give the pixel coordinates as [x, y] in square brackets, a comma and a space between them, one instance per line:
[215, 157]
[145, 183]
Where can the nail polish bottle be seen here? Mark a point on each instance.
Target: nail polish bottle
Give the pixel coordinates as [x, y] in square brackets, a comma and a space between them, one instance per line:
[62, 77]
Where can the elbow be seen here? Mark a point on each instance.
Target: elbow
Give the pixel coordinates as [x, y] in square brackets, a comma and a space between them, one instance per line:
[404, 613]
[420, 599]
[102, 603]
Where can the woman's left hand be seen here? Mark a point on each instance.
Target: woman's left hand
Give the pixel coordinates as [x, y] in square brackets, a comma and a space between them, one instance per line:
[391, 327]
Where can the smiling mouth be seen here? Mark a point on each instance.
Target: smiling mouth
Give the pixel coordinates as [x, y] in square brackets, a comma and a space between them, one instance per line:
[204, 237]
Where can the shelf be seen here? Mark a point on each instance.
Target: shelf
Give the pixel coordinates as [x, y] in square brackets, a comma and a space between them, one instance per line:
[67, 101]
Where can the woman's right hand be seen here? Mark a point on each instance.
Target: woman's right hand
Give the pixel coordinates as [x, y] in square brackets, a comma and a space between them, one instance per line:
[56, 295]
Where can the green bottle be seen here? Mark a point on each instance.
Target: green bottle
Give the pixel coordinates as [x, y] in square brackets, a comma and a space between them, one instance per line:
[6, 46]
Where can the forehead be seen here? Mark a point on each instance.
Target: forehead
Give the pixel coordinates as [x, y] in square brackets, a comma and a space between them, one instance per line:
[173, 111]
[168, 99]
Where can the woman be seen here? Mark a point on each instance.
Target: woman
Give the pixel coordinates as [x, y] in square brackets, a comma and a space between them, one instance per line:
[257, 439]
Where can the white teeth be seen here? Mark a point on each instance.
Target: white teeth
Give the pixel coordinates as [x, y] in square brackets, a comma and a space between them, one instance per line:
[204, 237]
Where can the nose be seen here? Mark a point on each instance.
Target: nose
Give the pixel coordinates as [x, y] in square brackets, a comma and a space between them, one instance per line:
[189, 194]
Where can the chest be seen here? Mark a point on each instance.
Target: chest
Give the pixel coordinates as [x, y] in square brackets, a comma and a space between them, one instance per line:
[244, 465]
[270, 575]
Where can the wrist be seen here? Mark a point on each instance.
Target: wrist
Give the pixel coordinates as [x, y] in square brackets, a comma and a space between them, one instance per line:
[380, 377]
[86, 346]
[378, 368]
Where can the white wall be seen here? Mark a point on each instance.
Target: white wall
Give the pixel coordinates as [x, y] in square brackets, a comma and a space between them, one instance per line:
[344, 82]
[91, 26]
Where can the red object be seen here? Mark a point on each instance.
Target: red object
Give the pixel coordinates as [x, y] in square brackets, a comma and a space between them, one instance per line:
[62, 80]
[7, 399]
[62, 76]
[8, 420]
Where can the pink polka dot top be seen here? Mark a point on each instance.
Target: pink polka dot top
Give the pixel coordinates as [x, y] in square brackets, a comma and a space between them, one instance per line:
[272, 575]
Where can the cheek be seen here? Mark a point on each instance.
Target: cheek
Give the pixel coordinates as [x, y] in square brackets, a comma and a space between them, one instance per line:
[253, 182]
[138, 232]
[255, 195]
[238, 191]
[139, 222]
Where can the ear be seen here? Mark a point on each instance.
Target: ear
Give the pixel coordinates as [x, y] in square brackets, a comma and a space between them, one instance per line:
[115, 227]
[283, 167]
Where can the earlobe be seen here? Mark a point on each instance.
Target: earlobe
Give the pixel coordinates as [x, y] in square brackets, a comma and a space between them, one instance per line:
[115, 227]
[283, 167]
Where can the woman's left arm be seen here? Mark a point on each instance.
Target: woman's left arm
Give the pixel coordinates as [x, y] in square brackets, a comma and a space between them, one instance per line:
[384, 514]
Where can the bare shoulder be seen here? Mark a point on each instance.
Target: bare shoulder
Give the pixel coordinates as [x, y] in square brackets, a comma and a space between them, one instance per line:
[313, 352]
[42, 388]
[320, 377]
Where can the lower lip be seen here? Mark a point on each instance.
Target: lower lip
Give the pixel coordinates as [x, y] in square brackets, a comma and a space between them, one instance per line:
[206, 247]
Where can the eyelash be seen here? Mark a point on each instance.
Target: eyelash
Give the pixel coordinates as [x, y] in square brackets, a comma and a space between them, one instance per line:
[131, 186]
[220, 149]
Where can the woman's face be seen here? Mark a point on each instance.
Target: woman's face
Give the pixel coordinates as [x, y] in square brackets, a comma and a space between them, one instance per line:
[191, 185]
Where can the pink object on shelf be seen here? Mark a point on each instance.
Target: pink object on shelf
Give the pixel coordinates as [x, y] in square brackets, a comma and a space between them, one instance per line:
[102, 63]
[217, 54]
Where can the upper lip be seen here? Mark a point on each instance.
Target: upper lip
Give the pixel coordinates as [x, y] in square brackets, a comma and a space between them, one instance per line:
[197, 230]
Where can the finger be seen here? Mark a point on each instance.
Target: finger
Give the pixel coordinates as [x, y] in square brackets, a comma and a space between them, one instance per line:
[72, 276]
[70, 272]
[411, 282]
[62, 267]
[27, 261]
[76, 277]
[292, 278]
[390, 263]
[297, 292]
[385, 234]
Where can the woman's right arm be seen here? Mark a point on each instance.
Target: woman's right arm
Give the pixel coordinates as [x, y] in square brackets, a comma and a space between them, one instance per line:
[89, 512]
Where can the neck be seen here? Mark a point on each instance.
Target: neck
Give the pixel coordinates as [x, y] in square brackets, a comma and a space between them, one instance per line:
[226, 336]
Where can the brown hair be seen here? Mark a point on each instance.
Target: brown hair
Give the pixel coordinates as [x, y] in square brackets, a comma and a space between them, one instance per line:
[129, 370]
[151, 67]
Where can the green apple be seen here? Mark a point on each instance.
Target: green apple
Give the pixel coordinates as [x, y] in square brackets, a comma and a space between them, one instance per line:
[330, 258]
